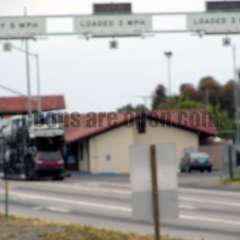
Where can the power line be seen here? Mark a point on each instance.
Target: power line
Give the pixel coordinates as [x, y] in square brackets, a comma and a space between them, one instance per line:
[12, 90]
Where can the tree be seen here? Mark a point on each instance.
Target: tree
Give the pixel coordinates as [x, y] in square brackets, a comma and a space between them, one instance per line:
[131, 108]
[186, 87]
[227, 98]
[159, 96]
[188, 91]
[209, 90]
[225, 125]
[127, 108]
[217, 99]
[141, 108]
[179, 102]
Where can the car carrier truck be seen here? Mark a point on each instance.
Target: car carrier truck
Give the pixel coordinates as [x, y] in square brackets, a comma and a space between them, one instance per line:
[31, 151]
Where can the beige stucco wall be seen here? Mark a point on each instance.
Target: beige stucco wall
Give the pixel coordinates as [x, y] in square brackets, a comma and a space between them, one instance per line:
[109, 151]
[165, 134]
[115, 144]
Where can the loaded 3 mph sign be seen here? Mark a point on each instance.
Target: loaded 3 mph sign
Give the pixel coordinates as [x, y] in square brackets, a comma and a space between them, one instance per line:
[114, 19]
[214, 23]
[116, 25]
[221, 17]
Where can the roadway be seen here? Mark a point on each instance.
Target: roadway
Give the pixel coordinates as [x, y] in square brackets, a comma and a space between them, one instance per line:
[105, 202]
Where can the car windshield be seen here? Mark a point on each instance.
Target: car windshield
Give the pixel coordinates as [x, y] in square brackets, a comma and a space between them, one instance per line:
[50, 156]
[200, 157]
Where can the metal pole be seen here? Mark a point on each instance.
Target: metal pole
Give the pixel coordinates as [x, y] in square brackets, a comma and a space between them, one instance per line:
[38, 83]
[28, 75]
[28, 81]
[169, 77]
[38, 79]
[236, 98]
[5, 171]
[155, 200]
[168, 55]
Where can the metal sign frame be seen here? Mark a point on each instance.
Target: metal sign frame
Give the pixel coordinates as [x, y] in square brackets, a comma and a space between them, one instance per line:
[72, 16]
[152, 14]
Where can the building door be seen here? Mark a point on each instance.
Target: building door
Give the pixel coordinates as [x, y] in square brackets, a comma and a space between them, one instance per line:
[72, 157]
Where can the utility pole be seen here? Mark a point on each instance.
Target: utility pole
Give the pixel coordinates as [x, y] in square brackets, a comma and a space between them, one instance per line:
[38, 83]
[236, 91]
[236, 80]
[8, 47]
[28, 76]
[227, 43]
[168, 55]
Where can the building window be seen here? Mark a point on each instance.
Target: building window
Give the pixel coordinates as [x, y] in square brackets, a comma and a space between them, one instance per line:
[108, 157]
[141, 126]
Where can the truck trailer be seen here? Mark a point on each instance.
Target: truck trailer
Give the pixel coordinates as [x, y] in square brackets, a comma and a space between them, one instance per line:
[31, 149]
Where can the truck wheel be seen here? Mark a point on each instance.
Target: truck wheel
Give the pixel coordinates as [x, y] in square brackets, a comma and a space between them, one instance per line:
[30, 176]
[60, 178]
[209, 170]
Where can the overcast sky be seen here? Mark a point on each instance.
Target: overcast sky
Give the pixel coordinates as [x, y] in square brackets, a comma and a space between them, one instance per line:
[94, 78]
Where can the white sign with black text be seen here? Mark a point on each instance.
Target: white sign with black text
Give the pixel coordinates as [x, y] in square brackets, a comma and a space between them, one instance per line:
[22, 27]
[214, 22]
[117, 25]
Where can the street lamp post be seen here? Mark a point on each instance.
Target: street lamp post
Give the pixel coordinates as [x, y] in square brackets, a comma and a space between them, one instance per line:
[38, 83]
[8, 47]
[28, 80]
[168, 55]
[227, 42]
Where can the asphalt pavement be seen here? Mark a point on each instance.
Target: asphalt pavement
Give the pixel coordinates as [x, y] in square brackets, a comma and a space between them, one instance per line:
[105, 202]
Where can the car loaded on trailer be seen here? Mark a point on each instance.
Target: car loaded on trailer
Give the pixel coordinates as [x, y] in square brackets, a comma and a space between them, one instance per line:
[32, 151]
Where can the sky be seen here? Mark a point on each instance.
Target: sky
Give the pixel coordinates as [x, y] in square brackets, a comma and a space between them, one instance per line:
[95, 78]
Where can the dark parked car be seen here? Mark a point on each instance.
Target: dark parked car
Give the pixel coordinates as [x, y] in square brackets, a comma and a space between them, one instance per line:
[196, 161]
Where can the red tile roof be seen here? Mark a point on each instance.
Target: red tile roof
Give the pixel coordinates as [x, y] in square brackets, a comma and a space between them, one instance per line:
[18, 105]
[83, 126]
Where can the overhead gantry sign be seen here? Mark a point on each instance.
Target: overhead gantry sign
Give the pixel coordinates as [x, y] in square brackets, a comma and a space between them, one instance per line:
[118, 20]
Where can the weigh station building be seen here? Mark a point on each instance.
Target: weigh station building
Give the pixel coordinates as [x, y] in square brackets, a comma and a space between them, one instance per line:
[99, 143]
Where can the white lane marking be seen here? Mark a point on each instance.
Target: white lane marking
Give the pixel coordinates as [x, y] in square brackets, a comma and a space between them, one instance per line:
[182, 191]
[69, 201]
[99, 184]
[125, 209]
[93, 189]
[205, 200]
[181, 196]
[210, 192]
[61, 210]
[187, 207]
[208, 219]
[23, 196]
[38, 208]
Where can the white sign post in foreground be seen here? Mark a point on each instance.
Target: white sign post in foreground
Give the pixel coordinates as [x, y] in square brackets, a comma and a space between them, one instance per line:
[113, 25]
[214, 23]
[141, 181]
